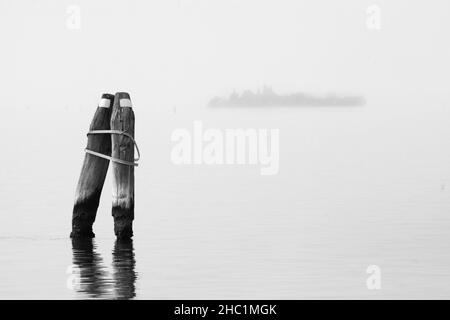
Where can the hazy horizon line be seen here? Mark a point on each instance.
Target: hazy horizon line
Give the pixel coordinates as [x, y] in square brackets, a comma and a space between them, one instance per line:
[267, 97]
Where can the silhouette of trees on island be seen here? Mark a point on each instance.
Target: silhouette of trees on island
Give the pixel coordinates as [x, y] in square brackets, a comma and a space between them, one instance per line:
[268, 98]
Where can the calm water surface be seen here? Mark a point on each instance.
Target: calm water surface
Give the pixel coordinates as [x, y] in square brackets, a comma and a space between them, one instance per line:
[356, 187]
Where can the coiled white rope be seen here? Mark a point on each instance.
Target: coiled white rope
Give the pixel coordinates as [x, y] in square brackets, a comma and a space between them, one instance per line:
[104, 156]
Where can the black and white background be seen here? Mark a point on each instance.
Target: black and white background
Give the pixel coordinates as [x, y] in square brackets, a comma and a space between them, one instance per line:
[355, 203]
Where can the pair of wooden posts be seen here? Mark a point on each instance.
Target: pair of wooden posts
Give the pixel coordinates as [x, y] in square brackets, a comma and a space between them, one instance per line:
[110, 139]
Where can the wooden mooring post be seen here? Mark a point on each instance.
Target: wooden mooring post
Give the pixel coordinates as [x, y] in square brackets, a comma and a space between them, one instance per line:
[122, 120]
[93, 172]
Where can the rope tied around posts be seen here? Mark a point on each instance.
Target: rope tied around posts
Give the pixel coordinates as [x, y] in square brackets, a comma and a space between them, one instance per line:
[101, 155]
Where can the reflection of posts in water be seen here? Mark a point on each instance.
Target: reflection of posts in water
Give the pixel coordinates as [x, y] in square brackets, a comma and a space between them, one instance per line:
[124, 269]
[93, 278]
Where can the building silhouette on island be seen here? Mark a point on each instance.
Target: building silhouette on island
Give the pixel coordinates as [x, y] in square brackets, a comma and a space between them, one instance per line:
[267, 97]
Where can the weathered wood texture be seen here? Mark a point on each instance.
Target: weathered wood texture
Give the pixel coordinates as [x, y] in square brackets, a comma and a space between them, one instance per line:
[122, 119]
[93, 173]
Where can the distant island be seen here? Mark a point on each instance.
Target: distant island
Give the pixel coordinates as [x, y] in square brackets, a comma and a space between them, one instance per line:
[266, 97]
